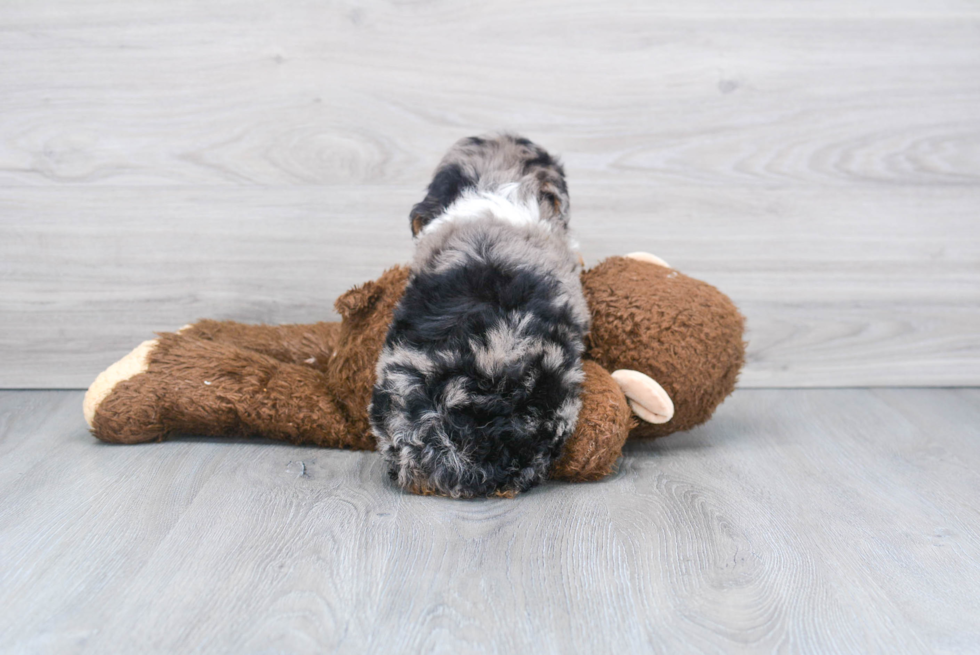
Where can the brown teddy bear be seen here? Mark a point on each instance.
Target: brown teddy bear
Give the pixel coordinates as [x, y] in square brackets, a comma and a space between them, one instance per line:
[673, 343]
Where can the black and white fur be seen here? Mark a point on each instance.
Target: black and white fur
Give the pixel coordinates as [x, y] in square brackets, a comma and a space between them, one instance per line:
[478, 383]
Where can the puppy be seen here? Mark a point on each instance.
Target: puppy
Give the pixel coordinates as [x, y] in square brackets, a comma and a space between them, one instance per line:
[477, 386]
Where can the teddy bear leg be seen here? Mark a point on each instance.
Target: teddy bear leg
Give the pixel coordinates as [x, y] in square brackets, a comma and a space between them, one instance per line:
[604, 422]
[310, 344]
[179, 384]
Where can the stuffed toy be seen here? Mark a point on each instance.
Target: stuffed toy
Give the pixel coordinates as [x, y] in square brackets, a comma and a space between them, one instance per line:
[663, 351]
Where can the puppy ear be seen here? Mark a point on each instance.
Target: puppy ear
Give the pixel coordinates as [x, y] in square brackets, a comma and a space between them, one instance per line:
[422, 213]
[417, 224]
[445, 187]
[358, 299]
[553, 203]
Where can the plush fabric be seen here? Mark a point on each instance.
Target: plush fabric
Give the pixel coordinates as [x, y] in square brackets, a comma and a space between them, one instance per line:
[312, 383]
[603, 424]
[211, 388]
[312, 344]
[682, 332]
[293, 383]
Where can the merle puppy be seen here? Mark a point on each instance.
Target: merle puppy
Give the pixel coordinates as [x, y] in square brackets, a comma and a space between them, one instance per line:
[478, 383]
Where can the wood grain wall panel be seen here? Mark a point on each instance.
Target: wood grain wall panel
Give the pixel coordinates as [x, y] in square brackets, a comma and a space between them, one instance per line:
[818, 162]
[835, 295]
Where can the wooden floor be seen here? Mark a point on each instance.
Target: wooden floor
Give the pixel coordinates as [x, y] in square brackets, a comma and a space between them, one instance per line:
[796, 521]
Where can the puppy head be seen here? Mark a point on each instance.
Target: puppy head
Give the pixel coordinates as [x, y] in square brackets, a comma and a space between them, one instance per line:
[488, 163]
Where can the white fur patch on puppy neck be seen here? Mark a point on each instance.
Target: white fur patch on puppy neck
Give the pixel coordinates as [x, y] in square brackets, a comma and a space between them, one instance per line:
[502, 203]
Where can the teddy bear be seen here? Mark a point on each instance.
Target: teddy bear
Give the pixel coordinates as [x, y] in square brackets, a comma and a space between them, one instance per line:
[663, 351]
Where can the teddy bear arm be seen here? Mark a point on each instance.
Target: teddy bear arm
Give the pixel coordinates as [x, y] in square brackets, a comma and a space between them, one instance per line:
[604, 423]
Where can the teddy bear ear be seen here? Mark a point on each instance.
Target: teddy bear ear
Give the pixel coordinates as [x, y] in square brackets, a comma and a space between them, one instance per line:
[647, 398]
[358, 299]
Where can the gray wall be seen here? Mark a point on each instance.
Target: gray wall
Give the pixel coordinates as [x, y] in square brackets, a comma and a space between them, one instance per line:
[166, 161]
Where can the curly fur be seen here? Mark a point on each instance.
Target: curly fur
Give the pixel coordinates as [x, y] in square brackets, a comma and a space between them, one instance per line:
[477, 387]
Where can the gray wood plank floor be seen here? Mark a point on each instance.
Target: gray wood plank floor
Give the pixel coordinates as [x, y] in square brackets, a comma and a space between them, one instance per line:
[166, 161]
[804, 521]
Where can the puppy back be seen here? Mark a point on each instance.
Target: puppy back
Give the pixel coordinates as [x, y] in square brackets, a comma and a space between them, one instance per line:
[477, 385]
